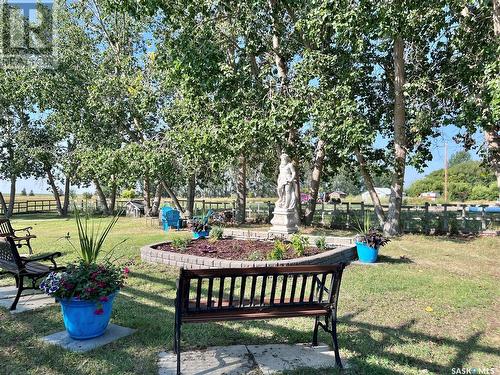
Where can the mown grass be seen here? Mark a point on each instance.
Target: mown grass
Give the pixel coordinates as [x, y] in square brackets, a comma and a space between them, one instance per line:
[431, 304]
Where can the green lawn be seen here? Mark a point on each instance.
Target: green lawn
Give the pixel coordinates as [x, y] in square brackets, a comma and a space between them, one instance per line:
[431, 305]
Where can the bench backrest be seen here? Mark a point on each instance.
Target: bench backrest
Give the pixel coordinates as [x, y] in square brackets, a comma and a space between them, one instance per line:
[6, 228]
[9, 256]
[237, 289]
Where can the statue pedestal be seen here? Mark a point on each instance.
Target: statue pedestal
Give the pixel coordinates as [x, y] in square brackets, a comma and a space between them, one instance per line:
[284, 221]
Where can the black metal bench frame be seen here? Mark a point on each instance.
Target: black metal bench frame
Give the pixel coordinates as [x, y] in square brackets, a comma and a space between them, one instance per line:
[6, 230]
[24, 268]
[315, 295]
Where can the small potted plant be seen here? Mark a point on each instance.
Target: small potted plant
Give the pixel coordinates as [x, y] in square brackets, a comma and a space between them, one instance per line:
[86, 290]
[200, 229]
[368, 242]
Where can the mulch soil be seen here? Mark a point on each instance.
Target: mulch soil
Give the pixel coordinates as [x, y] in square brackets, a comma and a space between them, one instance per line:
[234, 249]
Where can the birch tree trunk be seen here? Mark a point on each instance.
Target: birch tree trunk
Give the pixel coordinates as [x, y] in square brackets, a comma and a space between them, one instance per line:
[282, 68]
[147, 196]
[157, 199]
[191, 188]
[392, 224]
[3, 204]
[112, 197]
[55, 191]
[492, 137]
[241, 190]
[173, 196]
[315, 181]
[102, 197]
[12, 196]
[67, 188]
[370, 186]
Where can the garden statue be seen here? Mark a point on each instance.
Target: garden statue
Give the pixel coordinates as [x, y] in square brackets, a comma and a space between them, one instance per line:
[285, 216]
[286, 183]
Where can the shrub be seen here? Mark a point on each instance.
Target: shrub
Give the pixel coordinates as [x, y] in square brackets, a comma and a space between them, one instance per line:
[278, 251]
[254, 256]
[321, 243]
[216, 233]
[128, 194]
[23, 192]
[299, 244]
[31, 194]
[180, 243]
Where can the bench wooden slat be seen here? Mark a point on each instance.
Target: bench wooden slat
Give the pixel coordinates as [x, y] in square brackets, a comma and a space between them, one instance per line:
[210, 290]
[221, 291]
[242, 289]
[263, 290]
[303, 287]
[283, 289]
[264, 313]
[198, 293]
[294, 284]
[259, 271]
[313, 289]
[231, 290]
[252, 291]
[273, 289]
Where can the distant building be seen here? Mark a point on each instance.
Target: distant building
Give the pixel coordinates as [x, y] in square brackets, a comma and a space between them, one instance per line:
[381, 192]
[430, 195]
[134, 208]
[337, 195]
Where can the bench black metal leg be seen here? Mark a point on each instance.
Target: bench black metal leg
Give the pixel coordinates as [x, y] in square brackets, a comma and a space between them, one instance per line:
[315, 332]
[178, 349]
[29, 246]
[335, 341]
[19, 282]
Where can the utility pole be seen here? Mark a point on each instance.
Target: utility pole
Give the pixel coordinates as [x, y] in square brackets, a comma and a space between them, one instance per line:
[446, 171]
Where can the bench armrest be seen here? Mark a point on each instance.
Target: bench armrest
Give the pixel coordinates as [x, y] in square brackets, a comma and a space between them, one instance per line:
[51, 257]
[27, 230]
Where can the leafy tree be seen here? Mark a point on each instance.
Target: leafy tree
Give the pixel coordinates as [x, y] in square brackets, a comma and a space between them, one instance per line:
[459, 157]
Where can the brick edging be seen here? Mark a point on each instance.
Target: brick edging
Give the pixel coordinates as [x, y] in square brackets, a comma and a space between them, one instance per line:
[151, 255]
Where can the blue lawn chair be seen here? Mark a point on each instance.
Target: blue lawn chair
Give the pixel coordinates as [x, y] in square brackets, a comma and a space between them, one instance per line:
[170, 218]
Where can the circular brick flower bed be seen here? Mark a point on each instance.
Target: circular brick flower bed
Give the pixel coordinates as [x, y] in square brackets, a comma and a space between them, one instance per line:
[203, 254]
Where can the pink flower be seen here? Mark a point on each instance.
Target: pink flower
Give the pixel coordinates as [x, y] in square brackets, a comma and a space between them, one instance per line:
[104, 299]
[126, 271]
[99, 311]
[101, 284]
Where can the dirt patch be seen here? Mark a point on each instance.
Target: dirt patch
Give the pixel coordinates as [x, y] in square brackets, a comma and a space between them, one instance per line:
[234, 249]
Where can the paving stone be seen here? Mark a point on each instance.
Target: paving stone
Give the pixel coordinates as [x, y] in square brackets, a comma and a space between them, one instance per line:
[218, 360]
[30, 300]
[113, 333]
[276, 358]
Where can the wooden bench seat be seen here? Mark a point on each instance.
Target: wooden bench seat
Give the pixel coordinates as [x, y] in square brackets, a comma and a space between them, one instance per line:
[227, 294]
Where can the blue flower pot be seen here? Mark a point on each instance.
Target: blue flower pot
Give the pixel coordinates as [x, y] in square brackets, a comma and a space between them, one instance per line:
[81, 320]
[202, 234]
[366, 254]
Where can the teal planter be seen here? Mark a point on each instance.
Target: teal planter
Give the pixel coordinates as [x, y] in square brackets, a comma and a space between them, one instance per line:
[366, 254]
[81, 320]
[202, 234]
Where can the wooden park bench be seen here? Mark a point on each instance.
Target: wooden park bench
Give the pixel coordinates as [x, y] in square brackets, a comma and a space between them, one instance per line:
[224, 294]
[7, 230]
[24, 268]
